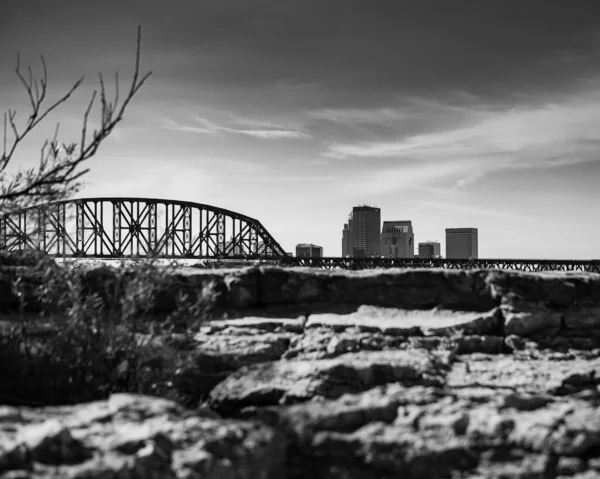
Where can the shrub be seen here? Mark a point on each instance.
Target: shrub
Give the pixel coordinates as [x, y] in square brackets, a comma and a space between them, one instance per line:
[94, 335]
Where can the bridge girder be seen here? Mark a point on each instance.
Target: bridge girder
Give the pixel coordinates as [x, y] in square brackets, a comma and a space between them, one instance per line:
[107, 227]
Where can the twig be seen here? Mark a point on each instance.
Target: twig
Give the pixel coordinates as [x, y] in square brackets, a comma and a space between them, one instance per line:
[57, 174]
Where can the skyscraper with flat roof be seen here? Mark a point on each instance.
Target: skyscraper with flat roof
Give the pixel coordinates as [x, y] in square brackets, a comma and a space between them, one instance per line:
[361, 236]
[397, 239]
[366, 231]
[461, 243]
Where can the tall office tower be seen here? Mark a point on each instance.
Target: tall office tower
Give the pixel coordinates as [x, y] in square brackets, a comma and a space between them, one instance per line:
[347, 240]
[397, 239]
[366, 232]
[461, 243]
[429, 249]
[308, 250]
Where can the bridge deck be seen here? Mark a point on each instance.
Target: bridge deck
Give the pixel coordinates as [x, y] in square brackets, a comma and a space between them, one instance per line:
[532, 265]
[592, 266]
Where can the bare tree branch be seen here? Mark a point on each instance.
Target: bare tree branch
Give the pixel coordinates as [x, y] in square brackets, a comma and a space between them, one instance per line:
[58, 172]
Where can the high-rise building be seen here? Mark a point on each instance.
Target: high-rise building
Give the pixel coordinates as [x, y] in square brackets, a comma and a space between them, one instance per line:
[461, 243]
[308, 250]
[347, 239]
[366, 232]
[429, 249]
[397, 239]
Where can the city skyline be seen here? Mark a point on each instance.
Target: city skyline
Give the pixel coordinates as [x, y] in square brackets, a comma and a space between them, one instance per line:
[364, 234]
[469, 114]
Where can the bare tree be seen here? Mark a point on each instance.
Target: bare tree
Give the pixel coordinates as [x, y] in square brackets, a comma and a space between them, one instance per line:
[58, 174]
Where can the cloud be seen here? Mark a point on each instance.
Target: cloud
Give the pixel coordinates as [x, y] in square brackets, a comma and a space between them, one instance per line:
[169, 124]
[407, 111]
[401, 118]
[588, 80]
[269, 131]
[357, 115]
[122, 133]
[470, 178]
[269, 134]
[547, 136]
[445, 206]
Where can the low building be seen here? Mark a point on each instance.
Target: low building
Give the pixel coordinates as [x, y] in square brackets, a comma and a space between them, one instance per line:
[429, 250]
[308, 250]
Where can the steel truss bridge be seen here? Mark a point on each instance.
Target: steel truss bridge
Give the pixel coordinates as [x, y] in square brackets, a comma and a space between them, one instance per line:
[136, 227]
[116, 228]
[534, 265]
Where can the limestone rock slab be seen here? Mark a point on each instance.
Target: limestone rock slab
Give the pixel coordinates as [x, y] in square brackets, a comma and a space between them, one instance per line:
[293, 381]
[215, 356]
[556, 290]
[541, 375]
[446, 436]
[400, 288]
[435, 321]
[230, 352]
[135, 436]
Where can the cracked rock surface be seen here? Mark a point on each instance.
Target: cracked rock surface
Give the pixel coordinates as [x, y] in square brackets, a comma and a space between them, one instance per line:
[371, 374]
[130, 436]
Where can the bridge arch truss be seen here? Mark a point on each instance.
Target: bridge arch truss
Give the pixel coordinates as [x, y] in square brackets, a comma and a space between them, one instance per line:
[136, 227]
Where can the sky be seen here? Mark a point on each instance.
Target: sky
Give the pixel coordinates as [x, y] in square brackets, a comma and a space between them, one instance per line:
[467, 113]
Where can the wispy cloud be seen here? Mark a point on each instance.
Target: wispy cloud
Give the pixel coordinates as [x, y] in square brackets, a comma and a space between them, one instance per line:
[294, 85]
[260, 130]
[358, 115]
[270, 134]
[408, 110]
[446, 206]
[548, 136]
[169, 124]
[588, 80]
[122, 133]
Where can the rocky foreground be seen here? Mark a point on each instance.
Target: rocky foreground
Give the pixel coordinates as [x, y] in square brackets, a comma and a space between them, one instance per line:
[372, 374]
